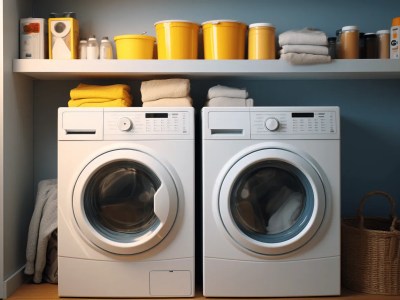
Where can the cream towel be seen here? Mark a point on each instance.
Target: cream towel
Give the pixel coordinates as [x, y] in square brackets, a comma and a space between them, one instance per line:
[166, 102]
[115, 91]
[306, 36]
[310, 49]
[99, 102]
[305, 59]
[225, 91]
[164, 88]
[43, 224]
[226, 101]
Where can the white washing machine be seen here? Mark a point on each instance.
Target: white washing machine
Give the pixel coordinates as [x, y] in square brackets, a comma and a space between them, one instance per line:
[271, 201]
[126, 202]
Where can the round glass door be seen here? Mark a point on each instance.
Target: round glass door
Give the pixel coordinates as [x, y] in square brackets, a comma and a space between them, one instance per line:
[272, 201]
[125, 201]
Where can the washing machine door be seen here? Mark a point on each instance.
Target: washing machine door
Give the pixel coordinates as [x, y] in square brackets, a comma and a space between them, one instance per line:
[272, 201]
[125, 201]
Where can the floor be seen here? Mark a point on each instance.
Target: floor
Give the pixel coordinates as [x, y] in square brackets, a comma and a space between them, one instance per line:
[46, 291]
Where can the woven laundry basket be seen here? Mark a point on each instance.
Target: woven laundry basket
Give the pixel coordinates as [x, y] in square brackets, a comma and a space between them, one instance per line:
[371, 251]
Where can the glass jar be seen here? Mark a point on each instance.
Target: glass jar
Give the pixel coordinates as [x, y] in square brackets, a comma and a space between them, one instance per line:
[371, 45]
[383, 43]
[349, 42]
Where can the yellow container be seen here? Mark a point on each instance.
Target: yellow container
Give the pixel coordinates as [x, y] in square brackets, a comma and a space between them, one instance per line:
[261, 41]
[177, 39]
[134, 46]
[63, 38]
[224, 39]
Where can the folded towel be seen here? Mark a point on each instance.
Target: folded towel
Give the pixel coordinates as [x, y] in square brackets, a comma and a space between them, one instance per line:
[42, 225]
[115, 91]
[227, 101]
[305, 59]
[310, 49]
[100, 102]
[225, 91]
[165, 102]
[164, 88]
[306, 36]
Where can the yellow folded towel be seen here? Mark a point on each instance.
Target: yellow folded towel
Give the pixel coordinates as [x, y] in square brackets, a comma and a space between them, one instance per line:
[164, 88]
[169, 102]
[114, 91]
[100, 103]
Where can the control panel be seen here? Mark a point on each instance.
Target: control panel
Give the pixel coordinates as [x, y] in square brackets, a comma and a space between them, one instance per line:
[147, 123]
[291, 122]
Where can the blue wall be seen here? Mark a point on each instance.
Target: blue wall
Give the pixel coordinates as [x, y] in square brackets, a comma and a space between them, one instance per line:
[370, 109]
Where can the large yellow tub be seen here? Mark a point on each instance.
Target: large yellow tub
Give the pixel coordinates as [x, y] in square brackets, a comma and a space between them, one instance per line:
[224, 39]
[177, 39]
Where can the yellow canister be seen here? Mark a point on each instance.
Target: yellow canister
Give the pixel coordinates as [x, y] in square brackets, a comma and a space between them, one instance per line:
[224, 39]
[261, 41]
[177, 39]
[134, 46]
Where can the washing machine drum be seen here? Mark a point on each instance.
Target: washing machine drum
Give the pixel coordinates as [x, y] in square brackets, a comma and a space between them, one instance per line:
[272, 201]
[125, 201]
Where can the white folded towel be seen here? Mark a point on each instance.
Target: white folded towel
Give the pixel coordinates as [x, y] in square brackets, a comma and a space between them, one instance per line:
[43, 224]
[169, 102]
[310, 49]
[305, 59]
[227, 101]
[164, 88]
[306, 36]
[225, 91]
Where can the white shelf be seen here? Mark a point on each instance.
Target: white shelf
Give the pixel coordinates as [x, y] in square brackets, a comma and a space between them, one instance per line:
[267, 69]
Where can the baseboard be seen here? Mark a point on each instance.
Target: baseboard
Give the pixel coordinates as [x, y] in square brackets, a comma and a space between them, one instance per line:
[12, 283]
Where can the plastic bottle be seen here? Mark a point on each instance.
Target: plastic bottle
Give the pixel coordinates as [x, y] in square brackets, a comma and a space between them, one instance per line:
[106, 51]
[395, 39]
[92, 48]
[83, 49]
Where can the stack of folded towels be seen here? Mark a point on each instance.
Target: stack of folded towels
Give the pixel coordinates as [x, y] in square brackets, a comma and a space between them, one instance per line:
[220, 95]
[86, 95]
[166, 92]
[304, 47]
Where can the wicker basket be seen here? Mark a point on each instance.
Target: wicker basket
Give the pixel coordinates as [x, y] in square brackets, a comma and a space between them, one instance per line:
[371, 251]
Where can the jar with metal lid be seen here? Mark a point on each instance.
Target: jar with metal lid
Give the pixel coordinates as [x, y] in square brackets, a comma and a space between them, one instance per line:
[332, 47]
[371, 45]
[261, 44]
[349, 42]
[383, 43]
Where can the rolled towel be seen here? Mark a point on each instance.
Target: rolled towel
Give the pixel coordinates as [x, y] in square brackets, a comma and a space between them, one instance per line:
[306, 36]
[100, 103]
[114, 91]
[225, 91]
[164, 88]
[305, 59]
[169, 102]
[227, 101]
[310, 49]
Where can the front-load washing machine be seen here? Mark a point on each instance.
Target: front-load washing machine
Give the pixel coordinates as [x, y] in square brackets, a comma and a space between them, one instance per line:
[271, 201]
[126, 202]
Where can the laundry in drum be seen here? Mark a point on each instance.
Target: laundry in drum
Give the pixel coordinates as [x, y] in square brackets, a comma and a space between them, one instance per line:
[271, 208]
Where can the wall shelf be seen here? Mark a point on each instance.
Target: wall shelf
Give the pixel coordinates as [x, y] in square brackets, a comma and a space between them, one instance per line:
[245, 69]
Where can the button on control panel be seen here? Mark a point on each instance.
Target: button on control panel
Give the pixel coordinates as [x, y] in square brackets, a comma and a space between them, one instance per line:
[275, 122]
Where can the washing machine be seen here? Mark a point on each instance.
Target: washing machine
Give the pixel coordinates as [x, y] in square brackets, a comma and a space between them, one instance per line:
[271, 201]
[126, 202]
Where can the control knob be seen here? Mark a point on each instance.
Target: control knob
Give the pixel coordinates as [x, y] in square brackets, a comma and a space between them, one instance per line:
[272, 124]
[125, 124]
